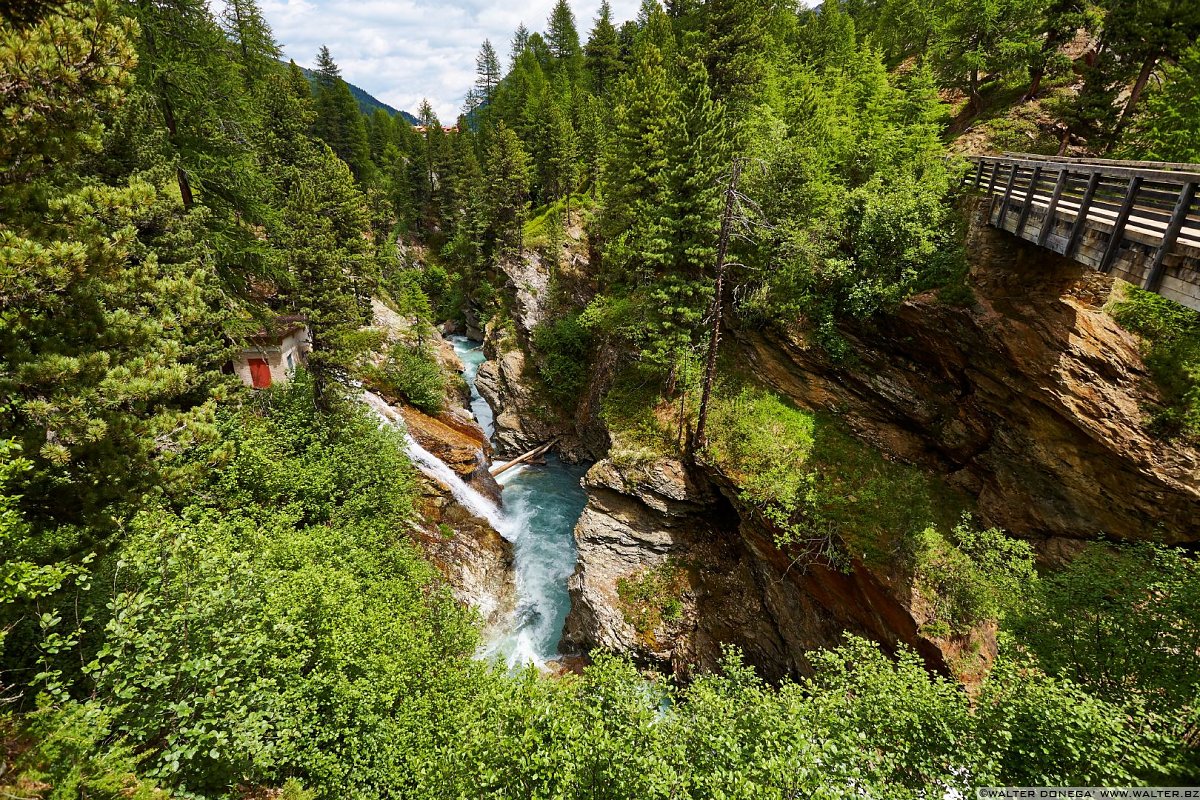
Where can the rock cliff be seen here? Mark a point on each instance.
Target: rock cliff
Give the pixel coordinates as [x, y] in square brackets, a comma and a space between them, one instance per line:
[1033, 400]
[671, 568]
[1030, 399]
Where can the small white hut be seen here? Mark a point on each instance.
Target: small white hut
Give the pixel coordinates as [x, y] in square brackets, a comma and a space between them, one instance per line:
[272, 354]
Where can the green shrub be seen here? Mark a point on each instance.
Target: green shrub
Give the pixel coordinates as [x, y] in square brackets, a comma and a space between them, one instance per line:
[412, 372]
[970, 577]
[1118, 620]
[763, 445]
[652, 596]
[68, 752]
[283, 624]
[563, 348]
[1171, 336]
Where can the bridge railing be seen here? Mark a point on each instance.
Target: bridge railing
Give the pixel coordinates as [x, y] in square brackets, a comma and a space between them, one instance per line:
[1151, 204]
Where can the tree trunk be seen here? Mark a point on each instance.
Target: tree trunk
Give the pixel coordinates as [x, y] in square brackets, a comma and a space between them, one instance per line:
[710, 368]
[185, 185]
[1135, 94]
[1035, 84]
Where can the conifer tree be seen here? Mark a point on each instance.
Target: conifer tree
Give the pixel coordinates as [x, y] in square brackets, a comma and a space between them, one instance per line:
[638, 174]
[603, 51]
[735, 54]
[100, 385]
[257, 50]
[487, 71]
[185, 64]
[558, 169]
[332, 264]
[561, 34]
[507, 179]
[520, 43]
[339, 122]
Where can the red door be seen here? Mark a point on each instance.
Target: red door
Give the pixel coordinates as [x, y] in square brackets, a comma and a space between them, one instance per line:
[260, 373]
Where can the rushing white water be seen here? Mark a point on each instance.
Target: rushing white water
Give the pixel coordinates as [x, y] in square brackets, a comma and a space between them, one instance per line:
[542, 505]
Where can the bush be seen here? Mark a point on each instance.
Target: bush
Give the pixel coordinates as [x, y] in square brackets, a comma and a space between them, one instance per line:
[1171, 336]
[412, 372]
[763, 445]
[970, 578]
[563, 347]
[283, 623]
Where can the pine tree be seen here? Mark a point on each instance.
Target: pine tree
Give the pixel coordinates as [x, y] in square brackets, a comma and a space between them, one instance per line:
[735, 54]
[603, 51]
[339, 122]
[507, 180]
[101, 386]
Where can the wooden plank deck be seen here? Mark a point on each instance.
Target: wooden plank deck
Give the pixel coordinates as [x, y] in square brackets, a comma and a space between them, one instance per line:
[1136, 220]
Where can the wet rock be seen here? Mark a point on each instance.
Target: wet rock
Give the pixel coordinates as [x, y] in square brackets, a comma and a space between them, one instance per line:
[458, 442]
[476, 561]
[523, 418]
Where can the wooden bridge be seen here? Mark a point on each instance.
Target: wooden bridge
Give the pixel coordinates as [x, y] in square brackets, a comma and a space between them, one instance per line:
[1136, 220]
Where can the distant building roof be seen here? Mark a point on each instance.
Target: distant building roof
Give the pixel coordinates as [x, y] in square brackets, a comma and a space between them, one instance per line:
[279, 328]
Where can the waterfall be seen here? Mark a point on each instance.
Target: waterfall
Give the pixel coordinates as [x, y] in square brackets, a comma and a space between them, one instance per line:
[437, 469]
[538, 518]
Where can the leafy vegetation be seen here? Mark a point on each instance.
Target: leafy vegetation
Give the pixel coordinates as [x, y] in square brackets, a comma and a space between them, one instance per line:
[1171, 334]
[208, 593]
[411, 371]
[652, 597]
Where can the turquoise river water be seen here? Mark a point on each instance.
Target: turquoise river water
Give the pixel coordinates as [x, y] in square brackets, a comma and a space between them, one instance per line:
[541, 506]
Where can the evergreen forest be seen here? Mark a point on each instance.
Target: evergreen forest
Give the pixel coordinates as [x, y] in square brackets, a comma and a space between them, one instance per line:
[214, 591]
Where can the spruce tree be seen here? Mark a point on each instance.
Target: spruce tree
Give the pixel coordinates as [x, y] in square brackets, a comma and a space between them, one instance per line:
[507, 180]
[339, 122]
[603, 51]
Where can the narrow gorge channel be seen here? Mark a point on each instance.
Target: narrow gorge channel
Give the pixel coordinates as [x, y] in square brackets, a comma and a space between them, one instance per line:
[541, 504]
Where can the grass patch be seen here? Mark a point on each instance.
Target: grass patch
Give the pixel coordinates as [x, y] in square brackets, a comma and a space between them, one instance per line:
[546, 227]
[818, 484]
[1171, 349]
[652, 596]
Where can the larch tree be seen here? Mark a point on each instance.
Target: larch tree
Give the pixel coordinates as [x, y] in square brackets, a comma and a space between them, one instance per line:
[562, 38]
[487, 71]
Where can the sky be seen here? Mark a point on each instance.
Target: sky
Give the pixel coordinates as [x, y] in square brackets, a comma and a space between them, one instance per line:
[404, 50]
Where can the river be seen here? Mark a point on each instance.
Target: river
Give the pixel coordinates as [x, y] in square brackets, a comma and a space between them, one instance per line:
[541, 506]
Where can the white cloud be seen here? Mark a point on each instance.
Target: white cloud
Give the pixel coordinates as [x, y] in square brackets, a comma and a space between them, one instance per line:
[404, 50]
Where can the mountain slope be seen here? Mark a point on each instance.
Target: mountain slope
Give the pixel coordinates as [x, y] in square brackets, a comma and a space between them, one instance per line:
[367, 103]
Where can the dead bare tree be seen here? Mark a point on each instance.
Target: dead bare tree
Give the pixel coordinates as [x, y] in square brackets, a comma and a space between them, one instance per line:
[710, 368]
